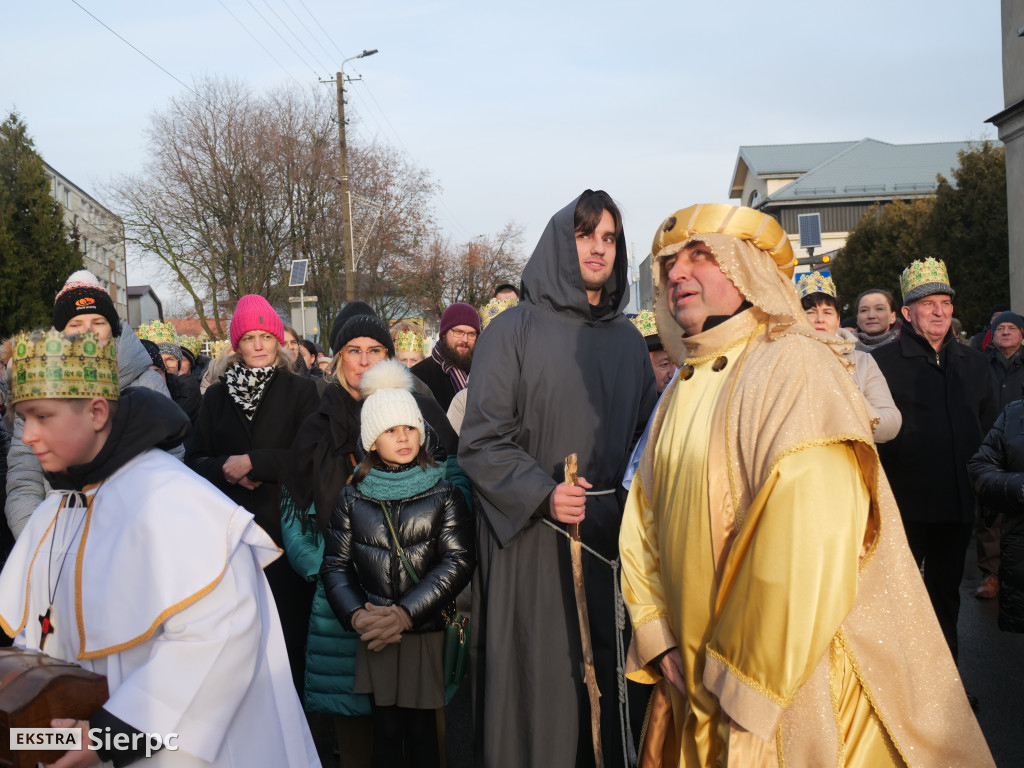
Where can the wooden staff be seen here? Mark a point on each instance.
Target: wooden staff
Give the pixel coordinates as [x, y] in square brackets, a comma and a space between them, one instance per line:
[576, 552]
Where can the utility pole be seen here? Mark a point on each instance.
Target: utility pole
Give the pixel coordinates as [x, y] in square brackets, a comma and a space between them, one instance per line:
[346, 195]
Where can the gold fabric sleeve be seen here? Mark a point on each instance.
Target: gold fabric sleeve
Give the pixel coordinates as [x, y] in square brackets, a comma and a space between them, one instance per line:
[642, 588]
[788, 583]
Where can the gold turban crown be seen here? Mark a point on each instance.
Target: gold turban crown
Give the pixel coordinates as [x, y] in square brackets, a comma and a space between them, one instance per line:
[50, 365]
[815, 282]
[158, 333]
[646, 323]
[495, 307]
[760, 229]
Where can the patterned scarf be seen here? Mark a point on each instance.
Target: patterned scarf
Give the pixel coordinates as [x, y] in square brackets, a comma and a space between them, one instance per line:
[456, 374]
[246, 385]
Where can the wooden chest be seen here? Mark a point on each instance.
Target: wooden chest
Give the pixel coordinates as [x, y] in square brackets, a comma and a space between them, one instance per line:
[34, 689]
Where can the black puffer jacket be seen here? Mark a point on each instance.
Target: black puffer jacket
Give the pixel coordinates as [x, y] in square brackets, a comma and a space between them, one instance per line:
[361, 561]
[997, 471]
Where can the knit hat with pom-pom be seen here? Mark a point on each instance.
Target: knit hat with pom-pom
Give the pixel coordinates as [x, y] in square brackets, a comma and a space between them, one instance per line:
[82, 294]
[387, 401]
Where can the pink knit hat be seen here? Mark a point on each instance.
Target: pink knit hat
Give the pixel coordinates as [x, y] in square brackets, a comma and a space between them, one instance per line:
[254, 313]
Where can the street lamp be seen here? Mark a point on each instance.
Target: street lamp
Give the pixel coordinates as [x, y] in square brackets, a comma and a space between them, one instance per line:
[346, 197]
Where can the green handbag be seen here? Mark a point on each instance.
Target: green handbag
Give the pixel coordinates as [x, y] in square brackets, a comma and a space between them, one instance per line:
[455, 661]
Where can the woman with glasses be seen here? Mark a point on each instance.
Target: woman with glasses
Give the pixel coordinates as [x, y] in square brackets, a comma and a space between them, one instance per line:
[327, 450]
[241, 442]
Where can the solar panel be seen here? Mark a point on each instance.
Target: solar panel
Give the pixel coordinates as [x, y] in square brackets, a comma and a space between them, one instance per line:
[298, 275]
[810, 230]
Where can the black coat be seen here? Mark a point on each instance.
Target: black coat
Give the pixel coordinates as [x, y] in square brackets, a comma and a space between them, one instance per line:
[997, 471]
[362, 564]
[222, 430]
[947, 404]
[1007, 374]
[429, 371]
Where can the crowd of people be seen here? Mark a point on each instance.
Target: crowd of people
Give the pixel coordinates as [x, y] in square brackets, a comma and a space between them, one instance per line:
[726, 531]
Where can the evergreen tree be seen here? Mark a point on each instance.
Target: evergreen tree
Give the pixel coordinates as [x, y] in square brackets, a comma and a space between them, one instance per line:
[36, 255]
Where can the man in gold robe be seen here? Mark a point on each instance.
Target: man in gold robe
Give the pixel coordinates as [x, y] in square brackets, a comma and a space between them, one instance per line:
[772, 594]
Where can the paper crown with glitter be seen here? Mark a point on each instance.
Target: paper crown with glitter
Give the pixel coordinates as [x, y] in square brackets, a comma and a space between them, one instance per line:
[646, 323]
[495, 307]
[409, 341]
[815, 282]
[48, 364]
[158, 333]
[924, 278]
[192, 343]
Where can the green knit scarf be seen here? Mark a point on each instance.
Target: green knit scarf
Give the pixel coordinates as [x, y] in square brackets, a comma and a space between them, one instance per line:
[391, 486]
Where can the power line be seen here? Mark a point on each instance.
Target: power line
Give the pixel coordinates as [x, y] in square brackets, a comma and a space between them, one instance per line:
[329, 38]
[134, 48]
[285, 24]
[283, 38]
[308, 30]
[261, 45]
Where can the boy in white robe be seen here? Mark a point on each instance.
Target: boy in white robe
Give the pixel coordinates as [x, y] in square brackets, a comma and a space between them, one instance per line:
[142, 571]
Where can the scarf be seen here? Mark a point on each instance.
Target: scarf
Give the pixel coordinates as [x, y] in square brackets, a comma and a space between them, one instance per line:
[385, 485]
[457, 375]
[246, 385]
[865, 341]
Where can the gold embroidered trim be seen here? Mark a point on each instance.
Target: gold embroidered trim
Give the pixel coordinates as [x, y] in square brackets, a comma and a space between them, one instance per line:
[729, 347]
[28, 581]
[657, 617]
[747, 681]
[871, 699]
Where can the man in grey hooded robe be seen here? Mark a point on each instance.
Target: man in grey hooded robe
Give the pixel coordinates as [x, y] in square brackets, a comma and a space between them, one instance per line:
[557, 374]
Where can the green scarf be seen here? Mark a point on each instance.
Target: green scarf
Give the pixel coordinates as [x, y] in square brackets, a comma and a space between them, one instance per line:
[391, 486]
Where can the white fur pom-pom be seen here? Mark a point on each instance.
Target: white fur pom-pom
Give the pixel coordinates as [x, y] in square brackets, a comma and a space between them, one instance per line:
[83, 276]
[387, 374]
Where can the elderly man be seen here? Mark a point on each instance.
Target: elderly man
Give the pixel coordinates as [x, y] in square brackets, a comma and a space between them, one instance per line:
[771, 591]
[447, 368]
[946, 395]
[563, 372]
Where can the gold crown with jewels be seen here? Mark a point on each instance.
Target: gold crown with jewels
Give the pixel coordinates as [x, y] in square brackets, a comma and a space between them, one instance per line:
[924, 278]
[495, 307]
[158, 333]
[50, 365]
[409, 341]
[192, 343]
[646, 323]
[815, 282]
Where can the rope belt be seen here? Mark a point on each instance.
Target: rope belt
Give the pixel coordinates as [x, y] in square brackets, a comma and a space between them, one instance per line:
[625, 733]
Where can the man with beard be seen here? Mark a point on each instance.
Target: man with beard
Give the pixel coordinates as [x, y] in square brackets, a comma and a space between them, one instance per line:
[562, 372]
[447, 368]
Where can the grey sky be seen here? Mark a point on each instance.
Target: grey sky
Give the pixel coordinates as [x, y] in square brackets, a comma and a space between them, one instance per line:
[517, 107]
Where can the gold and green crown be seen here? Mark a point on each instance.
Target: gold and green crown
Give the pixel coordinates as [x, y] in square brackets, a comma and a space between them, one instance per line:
[495, 307]
[409, 341]
[158, 333]
[923, 278]
[48, 364]
[815, 282]
[192, 343]
[646, 323]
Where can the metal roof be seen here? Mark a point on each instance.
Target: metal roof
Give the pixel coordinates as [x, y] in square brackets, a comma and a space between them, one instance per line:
[782, 159]
[871, 169]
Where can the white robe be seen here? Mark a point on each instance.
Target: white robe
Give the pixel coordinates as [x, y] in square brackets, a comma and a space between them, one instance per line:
[162, 591]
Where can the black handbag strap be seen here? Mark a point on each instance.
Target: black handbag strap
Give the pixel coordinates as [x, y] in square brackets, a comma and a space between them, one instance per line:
[401, 551]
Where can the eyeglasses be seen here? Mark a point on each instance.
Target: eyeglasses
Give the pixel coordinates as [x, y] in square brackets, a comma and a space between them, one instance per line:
[355, 354]
[469, 335]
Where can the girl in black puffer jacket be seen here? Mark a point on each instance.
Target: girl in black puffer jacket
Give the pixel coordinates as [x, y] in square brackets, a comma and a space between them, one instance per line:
[997, 472]
[399, 547]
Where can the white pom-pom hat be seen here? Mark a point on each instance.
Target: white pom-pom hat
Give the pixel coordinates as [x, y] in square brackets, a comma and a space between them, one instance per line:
[387, 402]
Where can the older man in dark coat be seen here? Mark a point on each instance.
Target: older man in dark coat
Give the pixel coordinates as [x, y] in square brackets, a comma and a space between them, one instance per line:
[945, 393]
[557, 375]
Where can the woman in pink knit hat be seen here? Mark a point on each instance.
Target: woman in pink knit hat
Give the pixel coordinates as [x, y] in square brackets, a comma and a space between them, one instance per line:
[241, 443]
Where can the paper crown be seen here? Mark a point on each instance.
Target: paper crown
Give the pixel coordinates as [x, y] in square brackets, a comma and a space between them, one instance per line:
[192, 343]
[923, 278]
[495, 307]
[217, 348]
[158, 333]
[48, 364]
[409, 341]
[646, 323]
[815, 282]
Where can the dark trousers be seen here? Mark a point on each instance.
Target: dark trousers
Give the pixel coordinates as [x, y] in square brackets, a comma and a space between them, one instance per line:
[940, 550]
[405, 738]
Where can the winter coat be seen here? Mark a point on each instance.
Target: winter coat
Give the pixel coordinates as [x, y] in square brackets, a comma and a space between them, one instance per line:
[948, 404]
[185, 392]
[872, 385]
[440, 383]
[997, 471]
[330, 649]
[361, 561]
[26, 486]
[1007, 374]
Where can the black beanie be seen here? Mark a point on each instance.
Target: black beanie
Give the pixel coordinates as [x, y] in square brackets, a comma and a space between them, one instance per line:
[82, 294]
[366, 326]
[347, 312]
[154, 354]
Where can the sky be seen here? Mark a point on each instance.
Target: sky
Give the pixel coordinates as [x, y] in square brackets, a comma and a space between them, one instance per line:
[515, 108]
